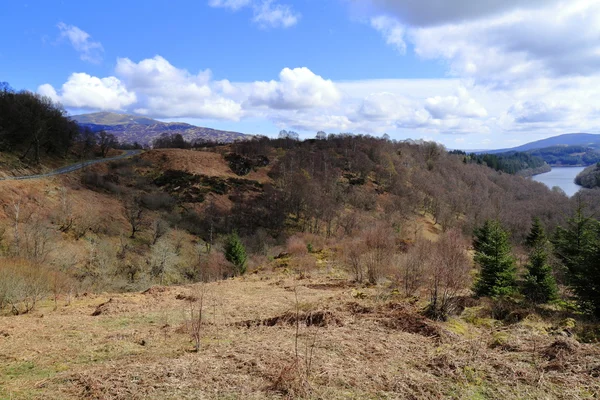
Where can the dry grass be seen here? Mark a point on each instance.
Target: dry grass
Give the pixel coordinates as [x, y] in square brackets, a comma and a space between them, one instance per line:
[375, 345]
[199, 163]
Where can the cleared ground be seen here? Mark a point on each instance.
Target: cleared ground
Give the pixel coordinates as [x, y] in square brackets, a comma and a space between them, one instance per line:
[349, 342]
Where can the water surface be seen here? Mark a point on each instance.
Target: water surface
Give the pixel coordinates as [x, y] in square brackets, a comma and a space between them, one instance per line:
[563, 177]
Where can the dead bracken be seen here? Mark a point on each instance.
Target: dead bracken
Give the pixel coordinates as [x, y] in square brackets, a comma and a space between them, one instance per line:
[313, 318]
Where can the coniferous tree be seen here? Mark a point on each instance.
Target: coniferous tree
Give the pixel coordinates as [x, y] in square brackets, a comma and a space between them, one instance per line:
[493, 255]
[536, 235]
[578, 247]
[540, 285]
[235, 253]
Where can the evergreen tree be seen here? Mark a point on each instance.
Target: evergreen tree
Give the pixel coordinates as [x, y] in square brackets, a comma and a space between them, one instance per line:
[493, 255]
[540, 285]
[235, 253]
[537, 235]
[578, 247]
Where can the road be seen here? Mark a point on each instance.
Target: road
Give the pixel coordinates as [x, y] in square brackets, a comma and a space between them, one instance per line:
[73, 167]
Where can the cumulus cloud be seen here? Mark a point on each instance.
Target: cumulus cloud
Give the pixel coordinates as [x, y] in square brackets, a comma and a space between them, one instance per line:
[392, 31]
[81, 41]
[392, 110]
[297, 88]
[89, 92]
[458, 106]
[168, 92]
[266, 13]
[496, 43]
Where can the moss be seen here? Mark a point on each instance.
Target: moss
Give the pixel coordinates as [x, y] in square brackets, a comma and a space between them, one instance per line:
[457, 326]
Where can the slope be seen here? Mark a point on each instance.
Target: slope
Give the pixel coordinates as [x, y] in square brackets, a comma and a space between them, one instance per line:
[143, 130]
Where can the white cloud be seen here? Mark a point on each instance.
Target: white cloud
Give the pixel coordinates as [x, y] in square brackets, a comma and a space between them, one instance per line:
[537, 111]
[297, 88]
[498, 43]
[392, 31]
[89, 92]
[268, 14]
[233, 5]
[458, 106]
[81, 41]
[166, 91]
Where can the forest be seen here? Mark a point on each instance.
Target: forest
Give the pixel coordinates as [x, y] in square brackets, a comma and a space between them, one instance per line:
[520, 163]
[568, 155]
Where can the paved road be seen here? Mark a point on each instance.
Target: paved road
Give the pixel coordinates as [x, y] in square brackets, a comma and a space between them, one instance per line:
[74, 167]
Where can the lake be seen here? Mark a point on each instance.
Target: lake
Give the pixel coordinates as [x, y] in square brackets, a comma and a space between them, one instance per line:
[563, 177]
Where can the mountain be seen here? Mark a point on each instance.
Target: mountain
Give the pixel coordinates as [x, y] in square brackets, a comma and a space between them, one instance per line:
[134, 128]
[569, 139]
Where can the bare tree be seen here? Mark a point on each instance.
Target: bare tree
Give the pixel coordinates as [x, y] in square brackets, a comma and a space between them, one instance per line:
[380, 244]
[162, 259]
[352, 252]
[413, 265]
[134, 214]
[159, 228]
[447, 274]
[106, 141]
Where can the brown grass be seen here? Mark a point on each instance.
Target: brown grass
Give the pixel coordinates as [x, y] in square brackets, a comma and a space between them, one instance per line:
[368, 346]
[199, 163]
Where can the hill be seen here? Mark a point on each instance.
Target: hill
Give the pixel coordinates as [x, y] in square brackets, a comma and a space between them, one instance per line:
[122, 265]
[143, 130]
[589, 177]
[569, 139]
[573, 149]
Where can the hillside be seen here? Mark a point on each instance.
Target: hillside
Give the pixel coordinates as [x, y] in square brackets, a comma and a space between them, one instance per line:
[132, 128]
[589, 177]
[569, 139]
[104, 271]
[351, 342]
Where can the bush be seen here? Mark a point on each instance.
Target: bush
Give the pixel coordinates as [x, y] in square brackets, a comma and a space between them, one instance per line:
[22, 285]
[235, 253]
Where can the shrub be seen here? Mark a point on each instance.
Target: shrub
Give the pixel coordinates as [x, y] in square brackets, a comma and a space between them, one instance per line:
[22, 285]
[235, 253]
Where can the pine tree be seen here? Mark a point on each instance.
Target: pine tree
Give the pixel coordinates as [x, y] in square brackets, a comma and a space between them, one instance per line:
[540, 285]
[578, 247]
[493, 255]
[235, 253]
[536, 235]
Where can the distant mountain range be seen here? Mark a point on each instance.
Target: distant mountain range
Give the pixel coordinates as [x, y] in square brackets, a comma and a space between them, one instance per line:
[143, 130]
[572, 149]
[569, 139]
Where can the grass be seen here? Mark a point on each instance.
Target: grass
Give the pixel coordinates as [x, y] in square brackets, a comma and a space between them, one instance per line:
[140, 348]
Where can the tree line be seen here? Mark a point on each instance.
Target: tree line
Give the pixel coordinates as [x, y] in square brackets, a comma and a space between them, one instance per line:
[33, 126]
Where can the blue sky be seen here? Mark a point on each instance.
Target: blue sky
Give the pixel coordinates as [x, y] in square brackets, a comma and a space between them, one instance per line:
[468, 74]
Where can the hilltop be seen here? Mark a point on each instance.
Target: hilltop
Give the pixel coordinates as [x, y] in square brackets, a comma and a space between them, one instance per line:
[143, 130]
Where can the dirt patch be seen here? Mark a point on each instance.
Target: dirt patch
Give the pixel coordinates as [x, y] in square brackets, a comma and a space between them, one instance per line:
[356, 308]
[112, 306]
[187, 297]
[413, 323]
[155, 290]
[561, 348]
[313, 318]
[329, 286]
